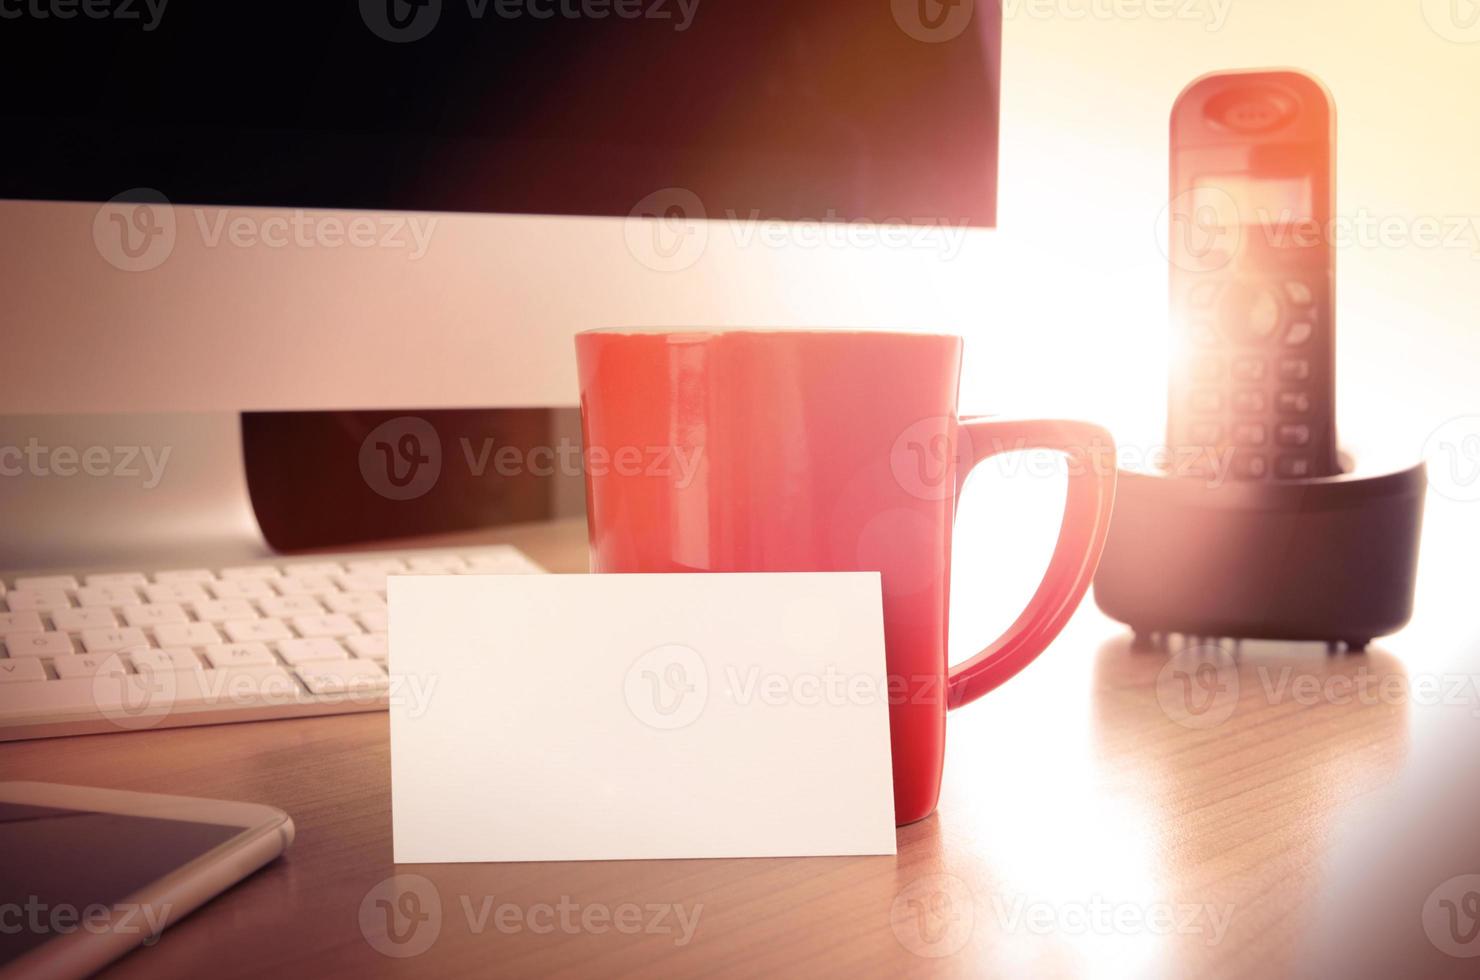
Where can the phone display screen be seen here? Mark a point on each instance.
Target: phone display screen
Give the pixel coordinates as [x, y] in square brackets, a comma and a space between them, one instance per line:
[1238, 199]
[64, 871]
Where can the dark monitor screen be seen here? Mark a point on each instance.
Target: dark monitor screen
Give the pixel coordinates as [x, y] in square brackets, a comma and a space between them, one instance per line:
[787, 109]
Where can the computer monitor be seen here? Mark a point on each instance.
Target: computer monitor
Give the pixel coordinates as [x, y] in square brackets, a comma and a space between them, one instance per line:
[384, 204]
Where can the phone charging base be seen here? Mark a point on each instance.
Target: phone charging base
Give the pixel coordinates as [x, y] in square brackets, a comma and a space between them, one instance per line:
[1332, 560]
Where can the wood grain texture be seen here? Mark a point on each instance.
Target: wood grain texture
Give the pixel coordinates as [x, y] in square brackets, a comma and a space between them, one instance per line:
[1090, 825]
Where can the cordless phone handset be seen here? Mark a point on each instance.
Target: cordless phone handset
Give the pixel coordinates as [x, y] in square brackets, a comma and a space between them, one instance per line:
[1253, 276]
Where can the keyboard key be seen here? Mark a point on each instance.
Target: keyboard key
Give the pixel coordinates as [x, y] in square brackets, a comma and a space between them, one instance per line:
[1250, 466]
[87, 618]
[361, 582]
[354, 602]
[108, 641]
[1207, 402]
[21, 669]
[186, 635]
[306, 585]
[291, 605]
[224, 610]
[1294, 435]
[1294, 403]
[20, 622]
[1292, 467]
[1208, 368]
[117, 580]
[182, 575]
[165, 658]
[155, 615]
[239, 588]
[242, 572]
[238, 654]
[1294, 369]
[1299, 333]
[1203, 294]
[332, 625]
[327, 569]
[1252, 434]
[88, 665]
[43, 582]
[107, 595]
[46, 644]
[371, 647]
[1248, 402]
[1248, 369]
[180, 592]
[375, 620]
[343, 677]
[1205, 433]
[307, 651]
[257, 630]
[135, 698]
[376, 566]
[435, 564]
[41, 600]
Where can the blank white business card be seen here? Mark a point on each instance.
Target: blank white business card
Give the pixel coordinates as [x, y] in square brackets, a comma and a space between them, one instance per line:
[605, 717]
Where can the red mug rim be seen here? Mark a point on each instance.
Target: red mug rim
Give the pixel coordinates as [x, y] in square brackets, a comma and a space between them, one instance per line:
[761, 331]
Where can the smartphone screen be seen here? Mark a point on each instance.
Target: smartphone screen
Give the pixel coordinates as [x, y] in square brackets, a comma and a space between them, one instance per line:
[65, 871]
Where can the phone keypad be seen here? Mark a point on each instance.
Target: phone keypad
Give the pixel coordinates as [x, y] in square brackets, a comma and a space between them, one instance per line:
[1252, 385]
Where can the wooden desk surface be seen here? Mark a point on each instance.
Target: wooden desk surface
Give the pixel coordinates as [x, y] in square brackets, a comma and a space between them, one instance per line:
[1107, 813]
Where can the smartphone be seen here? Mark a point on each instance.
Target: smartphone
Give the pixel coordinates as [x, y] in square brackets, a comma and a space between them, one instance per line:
[88, 874]
[1253, 272]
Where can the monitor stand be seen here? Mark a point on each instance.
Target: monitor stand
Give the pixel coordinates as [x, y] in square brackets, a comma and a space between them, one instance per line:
[134, 492]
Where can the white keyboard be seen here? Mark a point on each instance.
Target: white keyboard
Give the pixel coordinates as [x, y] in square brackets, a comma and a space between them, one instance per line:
[132, 651]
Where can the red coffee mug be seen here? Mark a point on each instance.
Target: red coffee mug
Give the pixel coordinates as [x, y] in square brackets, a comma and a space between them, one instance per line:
[825, 451]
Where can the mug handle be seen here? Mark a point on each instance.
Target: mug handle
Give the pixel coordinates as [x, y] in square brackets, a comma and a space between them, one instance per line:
[1087, 508]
